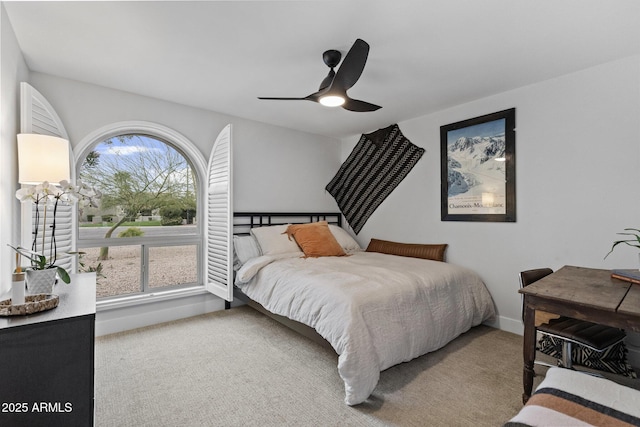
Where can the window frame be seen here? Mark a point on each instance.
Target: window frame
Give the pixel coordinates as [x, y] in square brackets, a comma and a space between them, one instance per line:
[198, 163]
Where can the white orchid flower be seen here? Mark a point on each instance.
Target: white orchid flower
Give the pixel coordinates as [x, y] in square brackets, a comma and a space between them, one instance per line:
[65, 197]
[26, 193]
[65, 185]
[54, 190]
[40, 188]
[87, 203]
[95, 201]
[47, 189]
[66, 192]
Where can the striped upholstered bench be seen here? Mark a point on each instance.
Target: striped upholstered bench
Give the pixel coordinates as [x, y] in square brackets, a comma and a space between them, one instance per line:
[571, 398]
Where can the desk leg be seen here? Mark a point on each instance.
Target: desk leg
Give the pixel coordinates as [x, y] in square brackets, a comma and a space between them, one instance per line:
[528, 350]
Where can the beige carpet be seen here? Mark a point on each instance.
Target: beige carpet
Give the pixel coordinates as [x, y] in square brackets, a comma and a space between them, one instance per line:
[240, 368]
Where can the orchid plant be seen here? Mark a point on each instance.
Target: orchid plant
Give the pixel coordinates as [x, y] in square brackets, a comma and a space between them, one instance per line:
[39, 262]
[47, 196]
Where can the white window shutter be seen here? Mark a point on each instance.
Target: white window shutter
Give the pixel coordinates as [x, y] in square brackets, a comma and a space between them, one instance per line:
[38, 116]
[219, 218]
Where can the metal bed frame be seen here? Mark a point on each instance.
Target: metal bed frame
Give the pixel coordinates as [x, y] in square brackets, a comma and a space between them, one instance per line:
[243, 222]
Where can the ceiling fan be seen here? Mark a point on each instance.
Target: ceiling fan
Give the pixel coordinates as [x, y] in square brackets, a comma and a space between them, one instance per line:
[333, 89]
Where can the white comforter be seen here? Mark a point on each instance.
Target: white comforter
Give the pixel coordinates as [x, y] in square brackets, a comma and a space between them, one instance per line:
[375, 310]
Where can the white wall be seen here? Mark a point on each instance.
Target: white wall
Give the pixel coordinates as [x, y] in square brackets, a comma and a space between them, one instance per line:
[275, 169]
[577, 157]
[12, 70]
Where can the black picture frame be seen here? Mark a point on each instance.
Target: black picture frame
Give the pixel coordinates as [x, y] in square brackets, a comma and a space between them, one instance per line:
[478, 168]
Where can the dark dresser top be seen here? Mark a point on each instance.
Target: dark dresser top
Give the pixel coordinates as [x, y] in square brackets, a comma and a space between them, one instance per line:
[77, 298]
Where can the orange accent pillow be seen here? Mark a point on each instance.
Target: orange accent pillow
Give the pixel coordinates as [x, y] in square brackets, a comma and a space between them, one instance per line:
[315, 239]
[414, 250]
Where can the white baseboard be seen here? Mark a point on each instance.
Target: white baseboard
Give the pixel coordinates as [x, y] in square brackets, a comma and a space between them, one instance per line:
[112, 320]
[507, 324]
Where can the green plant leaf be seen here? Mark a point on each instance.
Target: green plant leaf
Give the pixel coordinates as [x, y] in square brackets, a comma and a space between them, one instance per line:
[39, 262]
[63, 275]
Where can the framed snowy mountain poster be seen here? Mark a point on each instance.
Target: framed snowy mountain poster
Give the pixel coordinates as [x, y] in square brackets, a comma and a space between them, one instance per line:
[478, 179]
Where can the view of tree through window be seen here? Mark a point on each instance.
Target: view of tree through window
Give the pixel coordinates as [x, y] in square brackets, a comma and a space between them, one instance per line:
[147, 216]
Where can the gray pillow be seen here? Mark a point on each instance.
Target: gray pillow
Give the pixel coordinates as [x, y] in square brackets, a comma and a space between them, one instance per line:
[244, 248]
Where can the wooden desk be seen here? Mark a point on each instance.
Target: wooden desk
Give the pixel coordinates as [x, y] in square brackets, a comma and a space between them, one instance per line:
[581, 293]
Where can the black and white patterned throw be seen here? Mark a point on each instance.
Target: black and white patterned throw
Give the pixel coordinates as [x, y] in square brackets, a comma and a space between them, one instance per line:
[378, 163]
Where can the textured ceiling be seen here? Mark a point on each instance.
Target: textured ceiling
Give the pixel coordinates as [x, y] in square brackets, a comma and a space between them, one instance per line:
[220, 55]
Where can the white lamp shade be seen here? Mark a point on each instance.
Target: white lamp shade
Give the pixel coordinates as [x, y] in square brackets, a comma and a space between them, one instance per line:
[42, 158]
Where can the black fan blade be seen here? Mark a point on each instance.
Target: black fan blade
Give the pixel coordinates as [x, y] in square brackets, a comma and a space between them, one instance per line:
[283, 99]
[359, 106]
[327, 80]
[313, 97]
[352, 66]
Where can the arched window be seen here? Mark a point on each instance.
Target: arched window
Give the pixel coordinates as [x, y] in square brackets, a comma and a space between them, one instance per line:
[147, 235]
[211, 234]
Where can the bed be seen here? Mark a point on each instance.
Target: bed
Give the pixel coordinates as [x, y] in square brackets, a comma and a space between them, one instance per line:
[374, 309]
[570, 398]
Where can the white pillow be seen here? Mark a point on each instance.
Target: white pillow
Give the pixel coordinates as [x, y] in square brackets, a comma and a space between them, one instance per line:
[345, 240]
[272, 241]
[244, 248]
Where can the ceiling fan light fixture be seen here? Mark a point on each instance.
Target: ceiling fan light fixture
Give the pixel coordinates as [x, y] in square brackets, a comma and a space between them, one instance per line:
[334, 87]
[332, 101]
